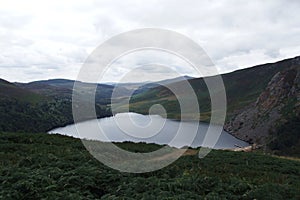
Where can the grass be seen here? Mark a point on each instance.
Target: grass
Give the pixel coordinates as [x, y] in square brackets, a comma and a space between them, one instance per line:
[243, 87]
[9, 90]
[42, 166]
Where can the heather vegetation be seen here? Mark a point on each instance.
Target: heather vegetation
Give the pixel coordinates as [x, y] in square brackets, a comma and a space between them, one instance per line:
[42, 166]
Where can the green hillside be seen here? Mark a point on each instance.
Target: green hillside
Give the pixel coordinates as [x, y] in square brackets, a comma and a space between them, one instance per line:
[42, 166]
[24, 110]
[262, 105]
[242, 88]
[11, 91]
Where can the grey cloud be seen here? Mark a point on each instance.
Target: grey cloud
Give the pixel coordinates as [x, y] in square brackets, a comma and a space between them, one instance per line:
[235, 34]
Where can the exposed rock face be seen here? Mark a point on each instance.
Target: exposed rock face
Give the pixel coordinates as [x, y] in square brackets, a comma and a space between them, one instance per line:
[276, 104]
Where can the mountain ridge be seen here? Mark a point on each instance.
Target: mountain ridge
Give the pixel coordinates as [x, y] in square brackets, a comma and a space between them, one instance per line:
[246, 89]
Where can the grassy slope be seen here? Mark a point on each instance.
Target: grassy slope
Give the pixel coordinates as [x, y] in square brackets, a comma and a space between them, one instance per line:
[38, 108]
[25, 111]
[242, 88]
[35, 166]
[9, 90]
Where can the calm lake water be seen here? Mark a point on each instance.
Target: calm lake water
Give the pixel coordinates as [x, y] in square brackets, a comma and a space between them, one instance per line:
[147, 128]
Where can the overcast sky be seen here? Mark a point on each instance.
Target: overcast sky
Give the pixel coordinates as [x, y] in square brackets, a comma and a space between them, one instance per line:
[52, 39]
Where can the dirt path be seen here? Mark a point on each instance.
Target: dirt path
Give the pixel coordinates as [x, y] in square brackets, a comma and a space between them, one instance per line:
[174, 154]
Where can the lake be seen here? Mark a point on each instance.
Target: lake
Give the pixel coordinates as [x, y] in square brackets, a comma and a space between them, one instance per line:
[147, 128]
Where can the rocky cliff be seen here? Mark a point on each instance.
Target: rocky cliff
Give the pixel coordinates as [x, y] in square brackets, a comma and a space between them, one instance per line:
[277, 104]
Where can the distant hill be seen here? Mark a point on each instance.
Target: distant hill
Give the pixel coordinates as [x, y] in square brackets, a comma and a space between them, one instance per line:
[10, 90]
[63, 88]
[42, 105]
[37, 106]
[47, 89]
[66, 83]
[151, 85]
[139, 87]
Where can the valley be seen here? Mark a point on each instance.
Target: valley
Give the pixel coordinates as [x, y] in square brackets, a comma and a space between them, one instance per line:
[263, 108]
[261, 100]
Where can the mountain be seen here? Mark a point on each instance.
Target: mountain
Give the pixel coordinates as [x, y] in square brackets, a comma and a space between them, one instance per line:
[262, 103]
[64, 83]
[151, 85]
[10, 90]
[276, 107]
[43, 105]
[63, 88]
[259, 99]
[47, 89]
[37, 106]
[242, 88]
[139, 87]
[24, 110]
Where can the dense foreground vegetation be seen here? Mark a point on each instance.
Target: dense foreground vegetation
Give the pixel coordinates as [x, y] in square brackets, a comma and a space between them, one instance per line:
[286, 140]
[41, 166]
